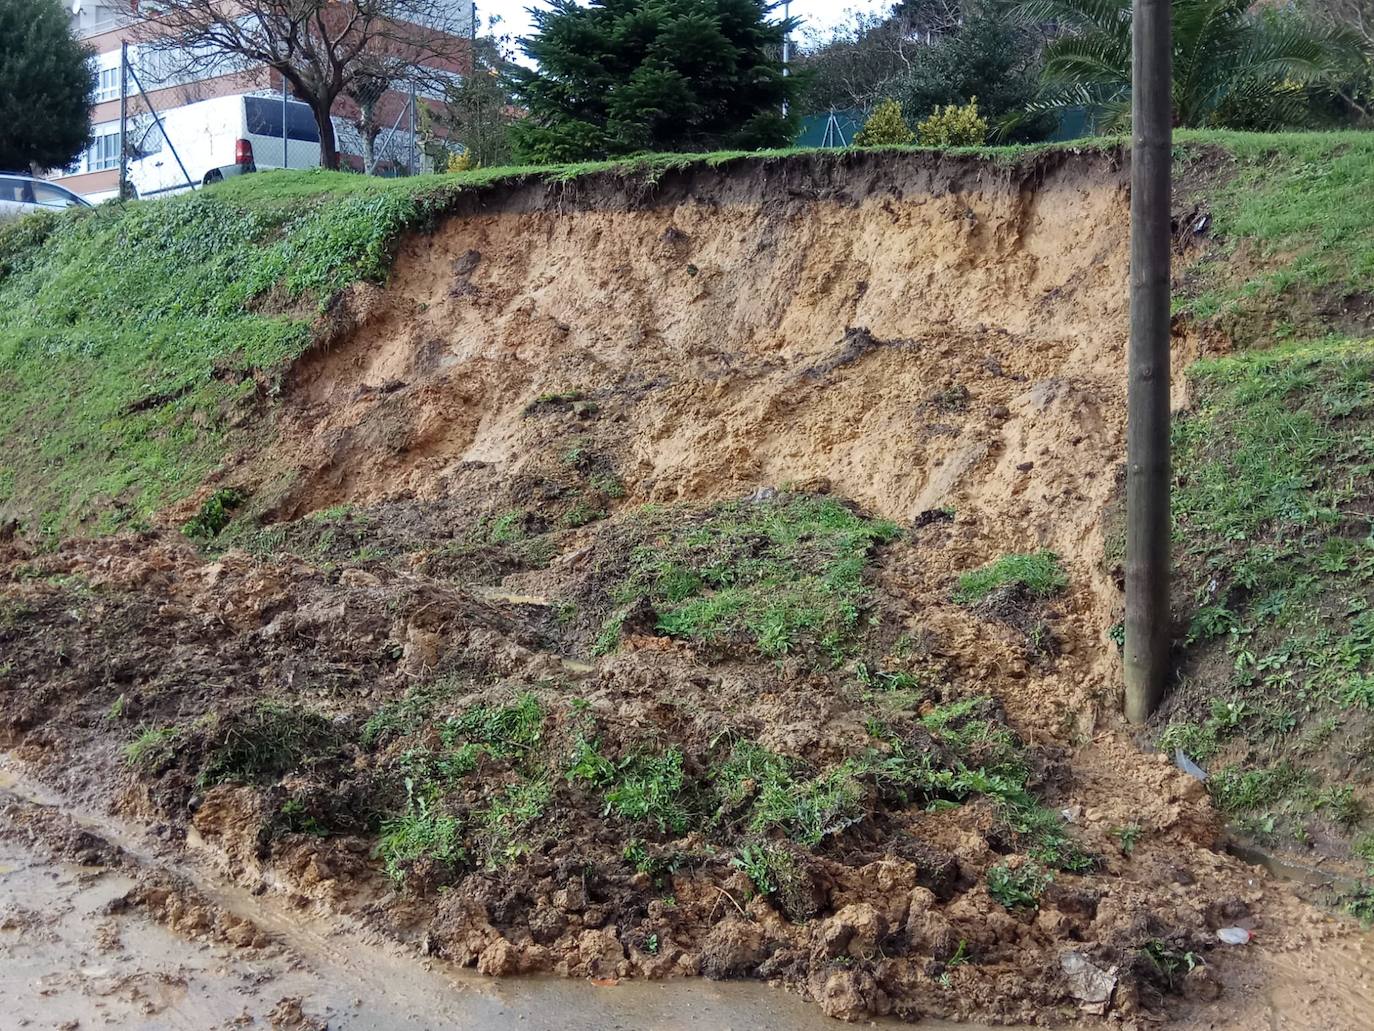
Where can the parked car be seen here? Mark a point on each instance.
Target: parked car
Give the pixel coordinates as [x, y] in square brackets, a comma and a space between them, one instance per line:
[22, 194]
[223, 137]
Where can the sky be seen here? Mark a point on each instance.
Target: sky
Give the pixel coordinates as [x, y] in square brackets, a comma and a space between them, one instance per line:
[816, 14]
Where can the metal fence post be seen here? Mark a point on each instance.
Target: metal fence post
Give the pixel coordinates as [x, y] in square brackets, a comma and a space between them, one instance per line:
[414, 129]
[123, 121]
[285, 157]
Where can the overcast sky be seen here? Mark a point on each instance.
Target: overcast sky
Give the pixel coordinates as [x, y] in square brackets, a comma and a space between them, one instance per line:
[816, 14]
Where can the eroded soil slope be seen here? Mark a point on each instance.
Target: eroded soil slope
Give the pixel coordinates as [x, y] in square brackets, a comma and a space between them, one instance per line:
[604, 607]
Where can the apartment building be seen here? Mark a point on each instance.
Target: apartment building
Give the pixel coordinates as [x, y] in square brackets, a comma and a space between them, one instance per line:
[105, 26]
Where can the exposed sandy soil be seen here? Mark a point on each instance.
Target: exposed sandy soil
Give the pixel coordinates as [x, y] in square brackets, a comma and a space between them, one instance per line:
[938, 343]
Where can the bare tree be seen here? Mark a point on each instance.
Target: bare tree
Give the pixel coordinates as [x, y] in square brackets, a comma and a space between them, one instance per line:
[1354, 14]
[851, 65]
[321, 47]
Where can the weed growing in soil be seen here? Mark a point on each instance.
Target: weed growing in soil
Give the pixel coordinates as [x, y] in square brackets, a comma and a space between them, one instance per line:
[507, 821]
[649, 787]
[1040, 574]
[421, 832]
[214, 514]
[783, 575]
[1018, 888]
[1169, 962]
[152, 749]
[405, 715]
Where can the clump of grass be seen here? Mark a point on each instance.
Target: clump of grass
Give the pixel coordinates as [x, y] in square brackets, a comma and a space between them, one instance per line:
[154, 748]
[1018, 888]
[423, 831]
[405, 715]
[1040, 574]
[506, 729]
[784, 575]
[650, 788]
[773, 871]
[263, 742]
[1236, 790]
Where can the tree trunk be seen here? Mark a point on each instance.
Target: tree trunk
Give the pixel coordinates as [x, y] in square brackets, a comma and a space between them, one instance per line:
[367, 111]
[1147, 402]
[329, 145]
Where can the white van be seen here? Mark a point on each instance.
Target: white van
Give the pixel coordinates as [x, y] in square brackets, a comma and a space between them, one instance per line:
[219, 138]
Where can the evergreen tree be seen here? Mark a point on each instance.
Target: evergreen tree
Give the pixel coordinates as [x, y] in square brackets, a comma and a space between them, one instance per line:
[46, 84]
[620, 76]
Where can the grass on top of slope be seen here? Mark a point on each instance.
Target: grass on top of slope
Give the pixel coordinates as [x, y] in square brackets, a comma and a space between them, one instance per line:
[1295, 217]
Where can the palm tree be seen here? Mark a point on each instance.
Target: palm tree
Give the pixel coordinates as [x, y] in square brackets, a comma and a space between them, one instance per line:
[1232, 68]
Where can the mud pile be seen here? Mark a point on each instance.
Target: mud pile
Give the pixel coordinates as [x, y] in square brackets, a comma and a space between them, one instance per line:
[444, 669]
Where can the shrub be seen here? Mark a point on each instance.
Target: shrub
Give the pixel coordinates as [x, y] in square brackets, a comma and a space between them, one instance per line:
[952, 126]
[461, 163]
[886, 127]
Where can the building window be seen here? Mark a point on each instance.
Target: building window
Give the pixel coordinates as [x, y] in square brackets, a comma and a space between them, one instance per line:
[104, 153]
[107, 85]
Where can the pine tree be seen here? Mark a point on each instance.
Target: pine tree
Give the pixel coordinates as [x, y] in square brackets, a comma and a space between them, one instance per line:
[46, 83]
[620, 76]
[886, 127]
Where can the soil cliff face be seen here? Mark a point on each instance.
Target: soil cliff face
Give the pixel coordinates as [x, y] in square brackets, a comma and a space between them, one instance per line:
[758, 326]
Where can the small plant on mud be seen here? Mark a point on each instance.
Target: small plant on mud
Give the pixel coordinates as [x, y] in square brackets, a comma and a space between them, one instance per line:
[1039, 573]
[405, 715]
[214, 514]
[757, 863]
[1346, 809]
[421, 832]
[1363, 847]
[1018, 888]
[505, 731]
[581, 514]
[1169, 961]
[506, 823]
[1360, 904]
[154, 748]
[588, 766]
[1126, 837]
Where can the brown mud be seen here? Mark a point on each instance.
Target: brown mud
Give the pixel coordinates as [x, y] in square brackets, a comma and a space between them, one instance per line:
[443, 570]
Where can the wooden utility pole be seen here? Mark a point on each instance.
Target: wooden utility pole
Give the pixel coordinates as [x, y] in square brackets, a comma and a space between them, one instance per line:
[1147, 400]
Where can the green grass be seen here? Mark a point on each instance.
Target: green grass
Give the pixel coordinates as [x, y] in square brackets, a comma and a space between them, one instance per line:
[154, 747]
[1274, 560]
[1039, 573]
[421, 832]
[1296, 211]
[782, 576]
[508, 822]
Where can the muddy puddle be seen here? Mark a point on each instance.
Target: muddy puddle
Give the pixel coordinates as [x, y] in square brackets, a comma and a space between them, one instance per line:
[75, 954]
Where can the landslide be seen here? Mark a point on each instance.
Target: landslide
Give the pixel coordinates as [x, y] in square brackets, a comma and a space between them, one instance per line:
[674, 570]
